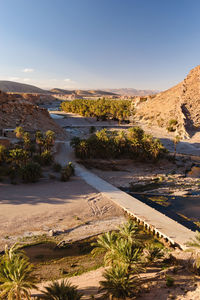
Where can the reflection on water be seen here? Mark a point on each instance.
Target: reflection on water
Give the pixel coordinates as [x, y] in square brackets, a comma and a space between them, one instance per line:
[183, 209]
[54, 116]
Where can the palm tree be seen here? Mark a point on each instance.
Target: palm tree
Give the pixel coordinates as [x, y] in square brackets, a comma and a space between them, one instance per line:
[127, 254]
[2, 153]
[61, 291]
[49, 139]
[176, 140]
[27, 140]
[118, 284]
[19, 132]
[18, 156]
[39, 138]
[105, 244]
[129, 230]
[153, 253]
[16, 278]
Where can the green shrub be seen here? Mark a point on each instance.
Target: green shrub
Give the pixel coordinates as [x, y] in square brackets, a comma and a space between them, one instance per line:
[172, 125]
[31, 172]
[46, 157]
[57, 167]
[2, 153]
[37, 158]
[67, 172]
[169, 281]
[92, 129]
[173, 122]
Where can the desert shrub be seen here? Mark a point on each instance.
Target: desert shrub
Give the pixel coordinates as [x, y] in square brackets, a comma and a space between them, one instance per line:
[57, 167]
[67, 172]
[37, 158]
[13, 173]
[134, 143]
[31, 172]
[2, 153]
[169, 281]
[46, 157]
[172, 124]
[92, 129]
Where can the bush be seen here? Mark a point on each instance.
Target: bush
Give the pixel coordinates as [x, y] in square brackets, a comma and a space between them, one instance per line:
[57, 167]
[37, 158]
[92, 129]
[169, 281]
[31, 172]
[172, 124]
[67, 172]
[46, 158]
[2, 153]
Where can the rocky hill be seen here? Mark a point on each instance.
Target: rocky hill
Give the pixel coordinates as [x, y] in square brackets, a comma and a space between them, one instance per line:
[21, 112]
[180, 104]
[16, 87]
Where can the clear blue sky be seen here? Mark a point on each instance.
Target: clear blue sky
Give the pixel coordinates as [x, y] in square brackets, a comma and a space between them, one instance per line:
[145, 44]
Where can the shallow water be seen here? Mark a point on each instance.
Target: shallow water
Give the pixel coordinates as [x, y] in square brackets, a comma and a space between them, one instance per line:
[54, 116]
[183, 209]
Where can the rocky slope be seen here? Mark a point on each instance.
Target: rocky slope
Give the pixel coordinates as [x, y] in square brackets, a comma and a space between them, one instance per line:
[20, 112]
[180, 103]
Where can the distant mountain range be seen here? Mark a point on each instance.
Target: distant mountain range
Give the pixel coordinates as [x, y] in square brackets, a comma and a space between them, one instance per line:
[132, 92]
[83, 93]
[16, 87]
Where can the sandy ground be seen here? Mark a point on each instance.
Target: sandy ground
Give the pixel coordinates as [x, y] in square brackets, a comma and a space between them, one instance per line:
[152, 283]
[34, 209]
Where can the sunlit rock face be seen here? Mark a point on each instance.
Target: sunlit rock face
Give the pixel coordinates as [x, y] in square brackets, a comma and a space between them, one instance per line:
[18, 111]
[181, 102]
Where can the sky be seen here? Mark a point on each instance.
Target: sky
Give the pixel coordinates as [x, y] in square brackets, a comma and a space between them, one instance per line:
[143, 44]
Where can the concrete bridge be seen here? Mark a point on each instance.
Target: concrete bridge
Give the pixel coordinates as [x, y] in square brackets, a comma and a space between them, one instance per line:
[156, 222]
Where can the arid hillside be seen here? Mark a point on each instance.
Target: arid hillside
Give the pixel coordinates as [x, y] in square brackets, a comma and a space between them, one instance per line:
[181, 103]
[16, 87]
[20, 112]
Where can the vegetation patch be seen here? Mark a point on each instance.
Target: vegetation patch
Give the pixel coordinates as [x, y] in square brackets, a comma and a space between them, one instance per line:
[25, 160]
[102, 109]
[134, 144]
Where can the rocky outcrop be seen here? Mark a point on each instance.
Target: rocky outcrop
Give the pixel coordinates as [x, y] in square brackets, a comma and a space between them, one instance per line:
[181, 103]
[20, 112]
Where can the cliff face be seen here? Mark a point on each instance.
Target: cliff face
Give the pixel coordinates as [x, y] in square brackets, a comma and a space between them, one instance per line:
[181, 102]
[20, 112]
